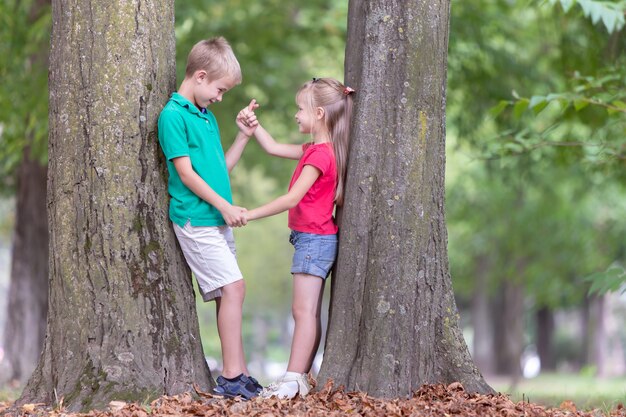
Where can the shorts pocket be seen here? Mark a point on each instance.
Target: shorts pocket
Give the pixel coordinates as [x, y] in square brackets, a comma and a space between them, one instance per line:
[327, 250]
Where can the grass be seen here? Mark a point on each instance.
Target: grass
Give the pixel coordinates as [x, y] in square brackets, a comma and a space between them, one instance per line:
[587, 392]
[10, 393]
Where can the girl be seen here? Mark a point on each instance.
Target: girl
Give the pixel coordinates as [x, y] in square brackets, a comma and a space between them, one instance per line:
[324, 112]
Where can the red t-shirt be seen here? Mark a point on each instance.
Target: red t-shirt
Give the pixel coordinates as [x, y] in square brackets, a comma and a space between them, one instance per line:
[314, 213]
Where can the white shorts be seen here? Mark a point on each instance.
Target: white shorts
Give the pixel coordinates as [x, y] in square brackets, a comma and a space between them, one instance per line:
[210, 253]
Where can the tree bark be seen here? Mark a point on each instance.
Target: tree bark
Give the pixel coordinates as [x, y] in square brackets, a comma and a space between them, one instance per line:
[393, 320]
[122, 323]
[28, 292]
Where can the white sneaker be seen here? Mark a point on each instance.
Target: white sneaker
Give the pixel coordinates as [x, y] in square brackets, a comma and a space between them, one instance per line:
[290, 385]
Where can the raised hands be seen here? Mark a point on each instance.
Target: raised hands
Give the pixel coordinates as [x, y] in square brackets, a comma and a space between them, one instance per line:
[246, 119]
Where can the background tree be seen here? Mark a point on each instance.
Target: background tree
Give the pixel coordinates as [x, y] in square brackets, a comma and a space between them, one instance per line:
[122, 322]
[23, 166]
[393, 323]
[548, 159]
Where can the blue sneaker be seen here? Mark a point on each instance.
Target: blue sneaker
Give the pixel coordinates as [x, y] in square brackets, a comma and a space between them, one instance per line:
[258, 386]
[240, 386]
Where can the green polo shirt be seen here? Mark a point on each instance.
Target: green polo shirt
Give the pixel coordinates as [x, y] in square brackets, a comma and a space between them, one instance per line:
[185, 131]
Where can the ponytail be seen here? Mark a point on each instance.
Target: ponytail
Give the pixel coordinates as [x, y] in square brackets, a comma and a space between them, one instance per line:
[336, 100]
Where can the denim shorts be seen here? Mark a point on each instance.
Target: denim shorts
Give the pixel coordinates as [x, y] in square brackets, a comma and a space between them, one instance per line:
[314, 255]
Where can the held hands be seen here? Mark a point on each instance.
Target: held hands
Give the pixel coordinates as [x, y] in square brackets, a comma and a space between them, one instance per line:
[246, 119]
[235, 216]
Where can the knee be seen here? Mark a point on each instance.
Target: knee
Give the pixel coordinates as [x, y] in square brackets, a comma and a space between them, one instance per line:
[300, 312]
[236, 290]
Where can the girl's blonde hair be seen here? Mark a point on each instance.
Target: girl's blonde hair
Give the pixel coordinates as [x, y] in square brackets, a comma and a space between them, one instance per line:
[336, 100]
[216, 57]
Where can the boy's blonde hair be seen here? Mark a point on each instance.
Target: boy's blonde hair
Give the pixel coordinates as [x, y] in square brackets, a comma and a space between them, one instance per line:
[216, 57]
[336, 100]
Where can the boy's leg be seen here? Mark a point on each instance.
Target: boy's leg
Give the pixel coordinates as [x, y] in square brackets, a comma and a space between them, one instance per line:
[229, 316]
[306, 306]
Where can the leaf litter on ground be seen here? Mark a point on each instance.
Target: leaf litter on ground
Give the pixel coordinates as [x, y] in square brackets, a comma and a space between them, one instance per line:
[429, 401]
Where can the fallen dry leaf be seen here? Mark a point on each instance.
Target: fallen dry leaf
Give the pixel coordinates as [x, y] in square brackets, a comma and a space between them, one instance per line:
[428, 401]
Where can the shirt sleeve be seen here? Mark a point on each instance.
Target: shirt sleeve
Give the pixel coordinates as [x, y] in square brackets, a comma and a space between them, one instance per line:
[319, 159]
[173, 135]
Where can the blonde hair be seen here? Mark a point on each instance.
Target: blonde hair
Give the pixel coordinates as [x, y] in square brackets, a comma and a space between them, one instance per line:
[216, 57]
[336, 100]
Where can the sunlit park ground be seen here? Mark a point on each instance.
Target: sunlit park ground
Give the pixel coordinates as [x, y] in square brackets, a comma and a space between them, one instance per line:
[552, 389]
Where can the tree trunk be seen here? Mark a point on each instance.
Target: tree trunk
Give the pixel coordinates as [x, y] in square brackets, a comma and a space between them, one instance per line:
[597, 335]
[545, 336]
[509, 334]
[28, 293]
[393, 321]
[482, 319]
[122, 322]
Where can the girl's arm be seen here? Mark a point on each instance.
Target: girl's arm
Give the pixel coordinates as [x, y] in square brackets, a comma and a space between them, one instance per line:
[304, 182]
[269, 145]
[247, 123]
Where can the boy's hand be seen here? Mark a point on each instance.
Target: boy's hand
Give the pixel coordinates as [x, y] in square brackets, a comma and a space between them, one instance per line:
[246, 119]
[235, 216]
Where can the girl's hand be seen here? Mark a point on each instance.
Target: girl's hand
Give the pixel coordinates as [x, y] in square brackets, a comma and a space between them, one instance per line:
[246, 119]
[235, 216]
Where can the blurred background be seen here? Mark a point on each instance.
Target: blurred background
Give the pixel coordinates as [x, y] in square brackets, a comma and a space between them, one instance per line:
[536, 197]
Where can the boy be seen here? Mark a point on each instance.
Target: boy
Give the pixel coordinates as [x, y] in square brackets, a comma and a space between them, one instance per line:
[201, 202]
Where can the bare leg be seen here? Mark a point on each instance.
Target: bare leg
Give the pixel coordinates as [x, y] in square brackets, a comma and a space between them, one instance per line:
[306, 305]
[229, 316]
[318, 334]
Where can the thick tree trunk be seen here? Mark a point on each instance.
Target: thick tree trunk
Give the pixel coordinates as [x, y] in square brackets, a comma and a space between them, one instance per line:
[122, 321]
[545, 336]
[393, 322]
[28, 293]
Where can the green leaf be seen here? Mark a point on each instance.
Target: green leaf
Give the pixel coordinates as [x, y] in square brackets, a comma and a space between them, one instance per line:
[619, 104]
[520, 107]
[567, 4]
[580, 104]
[499, 108]
[608, 281]
[554, 96]
[537, 103]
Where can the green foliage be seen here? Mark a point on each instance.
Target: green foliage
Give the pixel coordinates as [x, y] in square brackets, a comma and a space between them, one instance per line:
[24, 38]
[534, 182]
[590, 101]
[611, 280]
[611, 13]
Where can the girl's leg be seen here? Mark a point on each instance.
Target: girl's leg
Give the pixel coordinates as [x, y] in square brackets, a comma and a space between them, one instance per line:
[306, 306]
[318, 334]
[229, 314]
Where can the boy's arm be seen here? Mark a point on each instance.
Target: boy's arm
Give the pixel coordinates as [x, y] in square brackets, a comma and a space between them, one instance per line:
[233, 154]
[269, 145]
[233, 215]
[285, 202]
